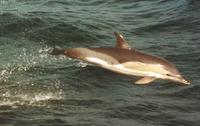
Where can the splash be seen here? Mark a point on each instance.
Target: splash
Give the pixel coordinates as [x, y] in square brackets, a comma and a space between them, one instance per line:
[81, 64]
[4, 74]
[24, 61]
[31, 95]
[19, 85]
[37, 99]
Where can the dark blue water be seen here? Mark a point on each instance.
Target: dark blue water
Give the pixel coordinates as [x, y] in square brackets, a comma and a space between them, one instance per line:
[39, 89]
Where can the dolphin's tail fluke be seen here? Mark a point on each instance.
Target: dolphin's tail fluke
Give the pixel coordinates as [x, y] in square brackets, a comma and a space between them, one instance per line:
[57, 51]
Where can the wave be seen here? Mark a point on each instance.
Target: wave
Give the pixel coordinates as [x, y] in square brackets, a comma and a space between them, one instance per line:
[15, 24]
[189, 93]
[62, 34]
[31, 78]
[50, 31]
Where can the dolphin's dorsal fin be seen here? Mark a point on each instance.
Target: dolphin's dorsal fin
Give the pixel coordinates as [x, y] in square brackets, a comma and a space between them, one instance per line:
[145, 80]
[121, 42]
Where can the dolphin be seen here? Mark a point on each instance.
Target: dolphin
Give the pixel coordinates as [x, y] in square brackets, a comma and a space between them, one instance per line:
[126, 60]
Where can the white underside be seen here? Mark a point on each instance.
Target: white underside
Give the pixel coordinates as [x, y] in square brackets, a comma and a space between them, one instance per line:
[121, 68]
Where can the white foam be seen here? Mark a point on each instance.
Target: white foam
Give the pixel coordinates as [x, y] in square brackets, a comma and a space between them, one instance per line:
[82, 64]
[38, 99]
[18, 98]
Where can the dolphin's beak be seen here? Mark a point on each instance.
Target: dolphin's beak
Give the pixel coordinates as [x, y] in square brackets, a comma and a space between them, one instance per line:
[180, 79]
[184, 81]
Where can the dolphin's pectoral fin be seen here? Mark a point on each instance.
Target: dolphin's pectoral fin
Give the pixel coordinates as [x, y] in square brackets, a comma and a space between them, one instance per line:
[121, 42]
[145, 80]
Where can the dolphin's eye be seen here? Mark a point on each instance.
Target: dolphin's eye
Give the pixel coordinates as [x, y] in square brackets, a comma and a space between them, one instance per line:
[168, 75]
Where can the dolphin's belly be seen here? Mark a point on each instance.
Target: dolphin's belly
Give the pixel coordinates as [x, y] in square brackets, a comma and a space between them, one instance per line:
[129, 68]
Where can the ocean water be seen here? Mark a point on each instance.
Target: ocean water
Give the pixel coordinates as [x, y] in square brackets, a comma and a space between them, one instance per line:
[40, 90]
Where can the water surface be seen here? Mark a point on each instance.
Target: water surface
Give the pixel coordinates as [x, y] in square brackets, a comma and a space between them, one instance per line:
[40, 89]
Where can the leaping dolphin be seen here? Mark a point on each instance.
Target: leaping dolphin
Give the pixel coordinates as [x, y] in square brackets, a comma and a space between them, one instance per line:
[126, 60]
